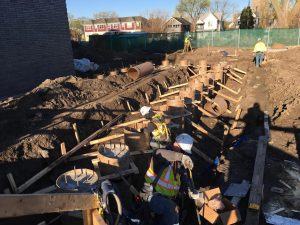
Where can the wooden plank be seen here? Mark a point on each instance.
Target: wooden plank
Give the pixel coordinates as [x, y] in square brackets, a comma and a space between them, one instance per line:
[30, 204]
[227, 97]
[61, 159]
[235, 75]
[158, 101]
[229, 89]
[87, 217]
[76, 133]
[178, 86]
[12, 182]
[133, 169]
[158, 89]
[233, 78]
[97, 218]
[239, 70]
[202, 130]
[169, 94]
[121, 125]
[256, 191]
[108, 138]
[266, 125]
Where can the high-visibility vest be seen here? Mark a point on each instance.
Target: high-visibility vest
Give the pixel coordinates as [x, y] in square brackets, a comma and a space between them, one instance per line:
[168, 184]
[161, 133]
[260, 47]
[186, 40]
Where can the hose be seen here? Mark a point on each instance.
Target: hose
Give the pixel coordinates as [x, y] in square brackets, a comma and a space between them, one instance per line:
[119, 206]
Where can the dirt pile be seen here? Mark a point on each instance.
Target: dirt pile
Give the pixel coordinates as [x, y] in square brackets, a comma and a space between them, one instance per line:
[283, 88]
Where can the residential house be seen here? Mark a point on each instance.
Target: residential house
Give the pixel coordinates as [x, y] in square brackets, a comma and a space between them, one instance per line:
[105, 25]
[177, 24]
[210, 22]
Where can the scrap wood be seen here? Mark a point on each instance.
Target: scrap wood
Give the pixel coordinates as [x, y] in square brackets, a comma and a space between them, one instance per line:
[158, 101]
[122, 125]
[74, 125]
[236, 119]
[178, 86]
[61, 159]
[16, 205]
[235, 75]
[233, 78]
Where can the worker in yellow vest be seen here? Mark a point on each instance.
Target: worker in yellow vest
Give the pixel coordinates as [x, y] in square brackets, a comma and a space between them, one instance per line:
[187, 43]
[167, 175]
[259, 50]
[157, 128]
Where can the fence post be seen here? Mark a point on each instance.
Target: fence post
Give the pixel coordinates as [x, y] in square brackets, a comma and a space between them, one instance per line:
[239, 38]
[299, 36]
[268, 37]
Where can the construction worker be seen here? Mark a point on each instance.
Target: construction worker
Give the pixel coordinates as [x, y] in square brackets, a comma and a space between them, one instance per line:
[187, 43]
[259, 50]
[167, 175]
[157, 127]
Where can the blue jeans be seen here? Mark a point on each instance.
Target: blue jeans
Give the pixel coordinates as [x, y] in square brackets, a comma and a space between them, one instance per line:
[259, 56]
[164, 209]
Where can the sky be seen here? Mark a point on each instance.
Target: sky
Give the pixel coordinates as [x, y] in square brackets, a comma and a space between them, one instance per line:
[87, 8]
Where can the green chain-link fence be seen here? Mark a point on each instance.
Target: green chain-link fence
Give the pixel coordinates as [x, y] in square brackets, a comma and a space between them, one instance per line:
[174, 41]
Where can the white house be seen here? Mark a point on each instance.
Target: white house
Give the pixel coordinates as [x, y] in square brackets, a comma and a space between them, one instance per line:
[210, 21]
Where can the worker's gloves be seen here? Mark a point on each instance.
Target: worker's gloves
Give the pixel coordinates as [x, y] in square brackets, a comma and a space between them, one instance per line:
[146, 192]
[198, 197]
[187, 162]
[193, 194]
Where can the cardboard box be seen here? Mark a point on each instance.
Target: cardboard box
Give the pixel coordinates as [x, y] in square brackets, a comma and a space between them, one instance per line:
[227, 216]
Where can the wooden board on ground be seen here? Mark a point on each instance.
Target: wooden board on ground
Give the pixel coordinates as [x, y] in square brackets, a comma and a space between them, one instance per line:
[30, 204]
[256, 190]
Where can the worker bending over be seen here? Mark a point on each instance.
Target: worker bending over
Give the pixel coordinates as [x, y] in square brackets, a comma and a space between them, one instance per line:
[157, 128]
[259, 50]
[167, 175]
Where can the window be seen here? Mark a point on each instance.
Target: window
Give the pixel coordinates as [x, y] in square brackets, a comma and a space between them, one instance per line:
[89, 28]
[129, 25]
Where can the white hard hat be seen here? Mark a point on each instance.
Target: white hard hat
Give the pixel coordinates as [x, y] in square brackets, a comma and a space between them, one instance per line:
[185, 142]
[145, 110]
[258, 39]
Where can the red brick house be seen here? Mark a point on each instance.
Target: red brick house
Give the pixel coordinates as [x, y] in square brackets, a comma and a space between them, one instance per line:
[104, 25]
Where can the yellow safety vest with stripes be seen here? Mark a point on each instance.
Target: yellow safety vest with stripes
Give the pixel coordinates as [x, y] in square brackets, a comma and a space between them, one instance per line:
[168, 184]
[161, 133]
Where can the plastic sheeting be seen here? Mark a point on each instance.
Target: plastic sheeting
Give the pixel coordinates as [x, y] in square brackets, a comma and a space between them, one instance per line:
[85, 65]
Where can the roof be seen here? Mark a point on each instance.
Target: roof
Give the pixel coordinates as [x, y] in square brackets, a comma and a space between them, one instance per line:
[218, 15]
[115, 20]
[180, 20]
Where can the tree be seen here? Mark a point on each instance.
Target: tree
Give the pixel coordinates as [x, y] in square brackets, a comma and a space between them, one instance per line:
[76, 26]
[286, 12]
[105, 14]
[224, 6]
[156, 20]
[246, 19]
[192, 9]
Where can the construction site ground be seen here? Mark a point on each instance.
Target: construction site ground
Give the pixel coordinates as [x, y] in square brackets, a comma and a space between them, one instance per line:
[33, 125]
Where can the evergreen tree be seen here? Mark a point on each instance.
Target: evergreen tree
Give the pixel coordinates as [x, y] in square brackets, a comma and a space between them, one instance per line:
[246, 19]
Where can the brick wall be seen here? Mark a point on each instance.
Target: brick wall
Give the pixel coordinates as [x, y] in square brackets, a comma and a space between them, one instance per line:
[34, 44]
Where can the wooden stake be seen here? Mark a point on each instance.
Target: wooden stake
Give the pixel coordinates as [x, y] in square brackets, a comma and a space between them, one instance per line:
[229, 89]
[227, 97]
[128, 105]
[95, 163]
[168, 94]
[76, 133]
[12, 182]
[97, 218]
[121, 125]
[147, 97]
[87, 217]
[63, 149]
[240, 71]
[191, 71]
[158, 89]
[236, 119]
[166, 86]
